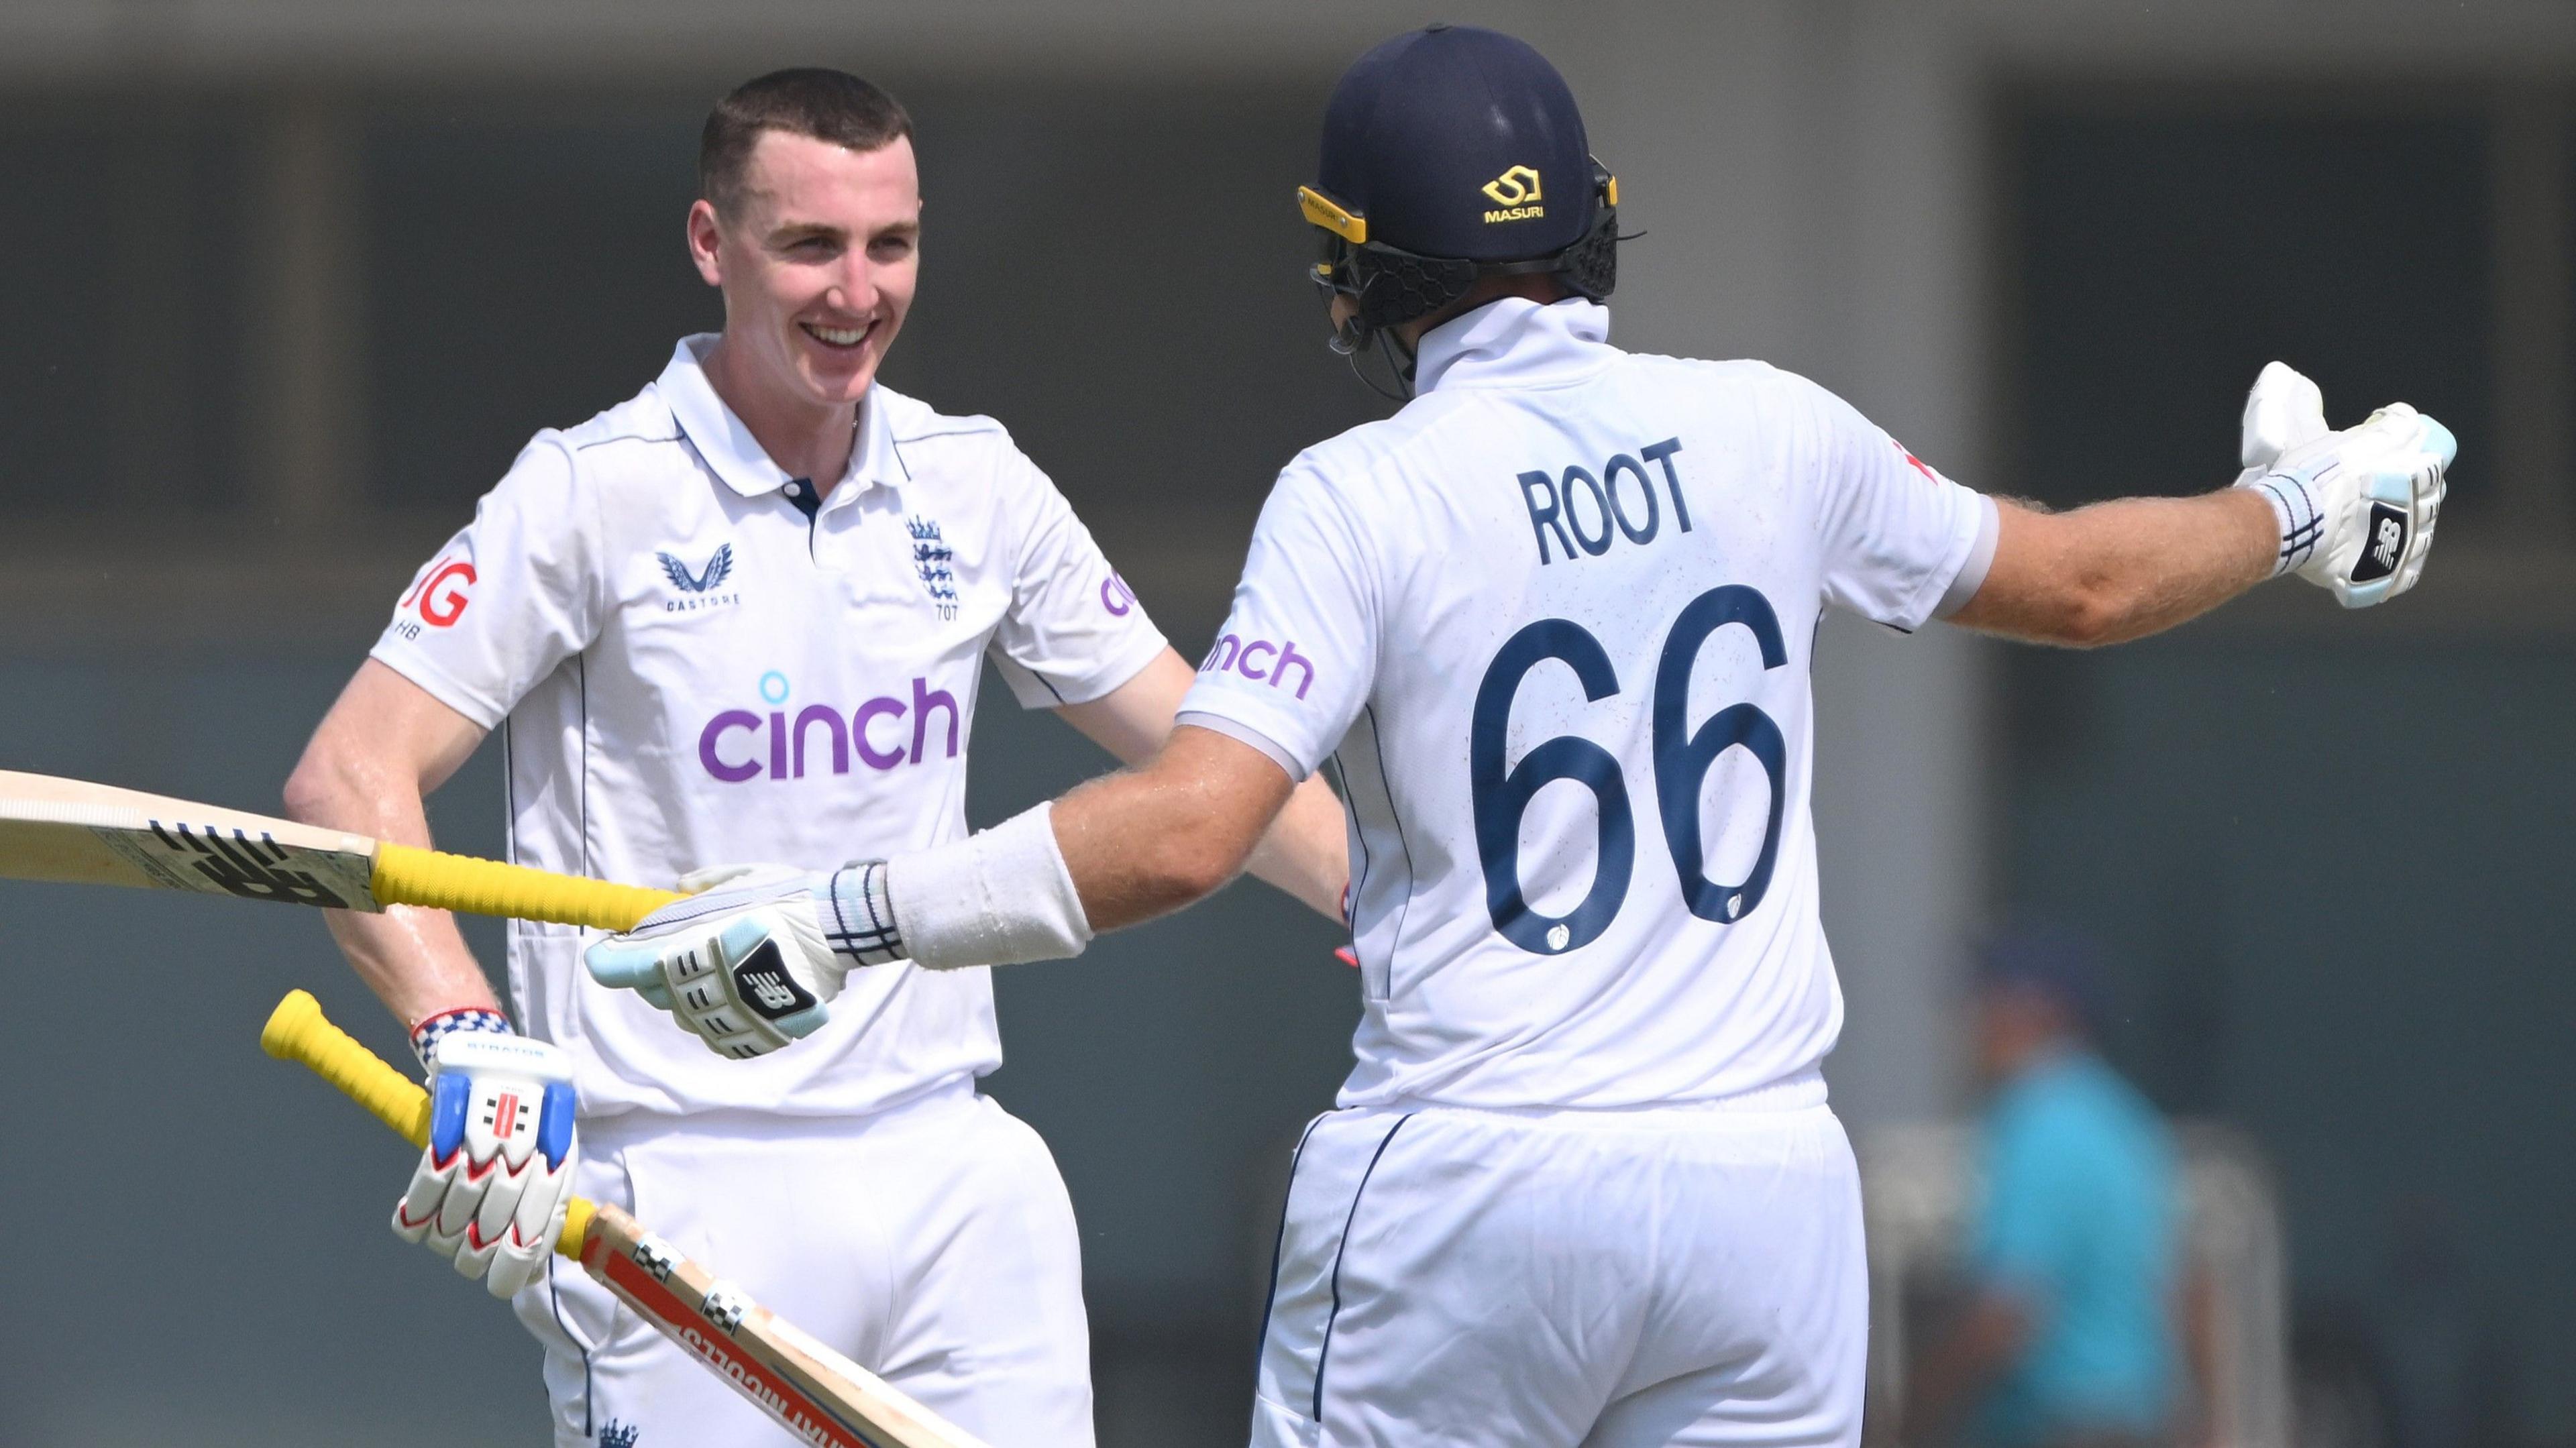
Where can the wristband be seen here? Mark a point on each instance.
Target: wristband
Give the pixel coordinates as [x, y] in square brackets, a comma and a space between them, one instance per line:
[2294, 509]
[997, 897]
[861, 923]
[426, 1036]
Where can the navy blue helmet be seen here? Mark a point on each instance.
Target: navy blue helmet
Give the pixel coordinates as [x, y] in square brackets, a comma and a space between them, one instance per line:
[1453, 153]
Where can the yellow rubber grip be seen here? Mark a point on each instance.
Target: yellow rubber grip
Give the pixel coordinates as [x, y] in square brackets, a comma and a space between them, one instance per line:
[298, 1031]
[405, 875]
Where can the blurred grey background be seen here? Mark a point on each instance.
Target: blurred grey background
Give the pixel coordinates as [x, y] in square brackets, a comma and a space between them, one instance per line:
[294, 280]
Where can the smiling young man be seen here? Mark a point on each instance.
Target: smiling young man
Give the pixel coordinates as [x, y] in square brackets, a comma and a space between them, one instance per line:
[744, 616]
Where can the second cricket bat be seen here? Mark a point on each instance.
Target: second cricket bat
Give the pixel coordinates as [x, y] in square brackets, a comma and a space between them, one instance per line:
[815, 1393]
[96, 834]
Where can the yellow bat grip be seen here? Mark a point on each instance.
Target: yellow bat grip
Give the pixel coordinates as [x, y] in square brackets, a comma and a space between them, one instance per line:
[405, 875]
[298, 1031]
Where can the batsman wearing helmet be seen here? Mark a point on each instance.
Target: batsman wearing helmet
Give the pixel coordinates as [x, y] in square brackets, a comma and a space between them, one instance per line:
[1554, 619]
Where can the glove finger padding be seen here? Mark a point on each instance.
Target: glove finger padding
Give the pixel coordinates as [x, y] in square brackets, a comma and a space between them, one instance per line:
[2284, 410]
[2377, 540]
[746, 967]
[494, 1179]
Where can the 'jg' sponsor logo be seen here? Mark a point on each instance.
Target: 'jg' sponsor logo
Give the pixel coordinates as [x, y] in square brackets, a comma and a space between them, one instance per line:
[438, 596]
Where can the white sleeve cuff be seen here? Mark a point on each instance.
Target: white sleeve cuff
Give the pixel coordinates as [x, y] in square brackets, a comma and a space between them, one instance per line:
[997, 897]
[1243, 734]
[1981, 560]
[2295, 513]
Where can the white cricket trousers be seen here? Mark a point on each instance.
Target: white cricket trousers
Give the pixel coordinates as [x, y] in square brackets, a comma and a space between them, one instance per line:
[1687, 1275]
[931, 1243]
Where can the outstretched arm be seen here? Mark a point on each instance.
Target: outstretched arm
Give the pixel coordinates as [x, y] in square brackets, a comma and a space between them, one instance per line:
[1306, 851]
[1147, 841]
[752, 965]
[2351, 511]
[2120, 570]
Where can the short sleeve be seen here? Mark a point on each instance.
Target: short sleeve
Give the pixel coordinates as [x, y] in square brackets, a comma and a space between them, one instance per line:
[1897, 537]
[509, 598]
[1074, 630]
[1295, 661]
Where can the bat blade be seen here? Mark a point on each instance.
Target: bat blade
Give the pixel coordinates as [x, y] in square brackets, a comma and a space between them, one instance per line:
[813, 1392]
[76, 832]
[72, 831]
[808, 1389]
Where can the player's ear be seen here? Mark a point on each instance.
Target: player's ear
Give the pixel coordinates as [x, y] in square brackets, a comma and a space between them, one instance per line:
[705, 234]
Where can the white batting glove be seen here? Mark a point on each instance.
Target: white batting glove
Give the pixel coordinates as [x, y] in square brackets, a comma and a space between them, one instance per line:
[490, 1190]
[2356, 508]
[753, 962]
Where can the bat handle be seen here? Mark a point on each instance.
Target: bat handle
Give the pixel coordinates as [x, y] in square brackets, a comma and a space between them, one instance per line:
[298, 1031]
[405, 875]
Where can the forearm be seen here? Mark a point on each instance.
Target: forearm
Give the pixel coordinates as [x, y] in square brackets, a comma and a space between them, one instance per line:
[2121, 570]
[1307, 851]
[415, 960]
[1145, 842]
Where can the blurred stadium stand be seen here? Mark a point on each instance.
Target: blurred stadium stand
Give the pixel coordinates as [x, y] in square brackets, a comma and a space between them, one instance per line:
[297, 278]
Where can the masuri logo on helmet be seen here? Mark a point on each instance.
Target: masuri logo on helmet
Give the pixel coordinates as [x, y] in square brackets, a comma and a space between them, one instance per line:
[1516, 192]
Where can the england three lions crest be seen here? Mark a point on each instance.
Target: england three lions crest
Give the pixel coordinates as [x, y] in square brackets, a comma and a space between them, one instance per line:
[932, 560]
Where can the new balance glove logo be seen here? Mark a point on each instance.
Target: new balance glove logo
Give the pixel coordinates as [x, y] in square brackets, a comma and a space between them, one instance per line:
[770, 992]
[2392, 542]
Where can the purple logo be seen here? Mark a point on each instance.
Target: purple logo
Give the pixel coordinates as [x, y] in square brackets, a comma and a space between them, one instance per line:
[741, 744]
[1260, 661]
[1116, 596]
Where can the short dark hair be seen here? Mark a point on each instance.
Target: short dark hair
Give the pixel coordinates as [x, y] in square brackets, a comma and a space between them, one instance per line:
[828, 105]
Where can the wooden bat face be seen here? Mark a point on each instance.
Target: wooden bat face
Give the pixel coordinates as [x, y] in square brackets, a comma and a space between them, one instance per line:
[94, 834]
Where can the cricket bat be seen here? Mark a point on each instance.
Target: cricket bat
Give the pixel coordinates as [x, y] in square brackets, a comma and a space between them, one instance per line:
[95, 834]
[815, 1393]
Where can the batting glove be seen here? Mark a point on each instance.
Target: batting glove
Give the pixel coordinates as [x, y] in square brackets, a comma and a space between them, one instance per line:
[2356, 508]
[753, 960]
[490, 1190]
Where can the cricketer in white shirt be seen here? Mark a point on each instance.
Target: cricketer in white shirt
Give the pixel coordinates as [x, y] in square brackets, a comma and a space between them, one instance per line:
[744, 617]
[688, 662]
[1554, 622]
[1571, 709]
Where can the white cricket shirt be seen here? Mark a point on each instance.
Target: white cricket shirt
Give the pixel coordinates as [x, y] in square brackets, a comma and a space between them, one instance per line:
[1554, 620]
[689, 670]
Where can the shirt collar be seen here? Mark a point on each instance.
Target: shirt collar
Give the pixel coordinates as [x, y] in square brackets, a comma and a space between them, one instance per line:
[1514, 342]
[728, 446]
